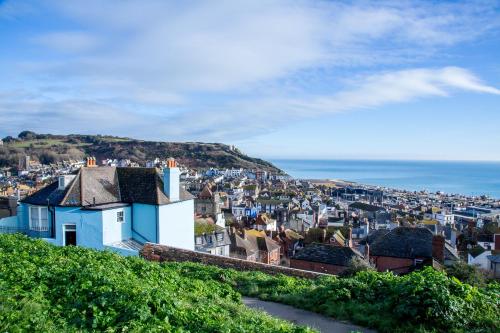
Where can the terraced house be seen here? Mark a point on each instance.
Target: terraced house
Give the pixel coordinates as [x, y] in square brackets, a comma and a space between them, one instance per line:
[112, 208]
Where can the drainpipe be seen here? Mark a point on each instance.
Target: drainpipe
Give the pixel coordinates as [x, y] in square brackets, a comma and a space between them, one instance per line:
[157, 224]
[52, 212]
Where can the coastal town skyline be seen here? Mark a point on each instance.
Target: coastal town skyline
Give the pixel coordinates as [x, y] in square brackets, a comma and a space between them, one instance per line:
[400, 80]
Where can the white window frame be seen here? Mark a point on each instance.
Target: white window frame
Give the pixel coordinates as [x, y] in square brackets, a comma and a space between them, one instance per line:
[120, 216]
[39, 224]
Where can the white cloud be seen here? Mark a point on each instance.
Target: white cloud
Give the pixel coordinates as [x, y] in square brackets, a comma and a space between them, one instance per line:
[68, 41]
[203, 70]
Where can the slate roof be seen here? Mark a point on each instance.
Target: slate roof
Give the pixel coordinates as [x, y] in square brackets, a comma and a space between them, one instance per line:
[365, 207]
[494, 258]
[404, 242]
[49, 192]
[327, 254]
[107, 185]
[373, 236]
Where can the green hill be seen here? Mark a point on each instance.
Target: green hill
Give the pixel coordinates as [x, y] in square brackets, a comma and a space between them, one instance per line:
[71, 289]
[48, 148]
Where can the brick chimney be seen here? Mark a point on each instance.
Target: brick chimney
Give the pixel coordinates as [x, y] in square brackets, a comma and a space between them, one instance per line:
[438, 248]
[90, 162]
[496, 239]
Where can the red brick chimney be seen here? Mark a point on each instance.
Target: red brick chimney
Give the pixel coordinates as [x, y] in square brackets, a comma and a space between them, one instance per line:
[438, 248]
[496, 239]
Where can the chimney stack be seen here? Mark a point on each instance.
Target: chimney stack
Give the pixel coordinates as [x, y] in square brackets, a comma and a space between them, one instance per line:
[90, 162]
[367, 251]
[171, 175]
[438, 248]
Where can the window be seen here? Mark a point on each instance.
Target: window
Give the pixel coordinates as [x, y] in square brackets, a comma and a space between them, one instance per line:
[119, 216]
[39, 219]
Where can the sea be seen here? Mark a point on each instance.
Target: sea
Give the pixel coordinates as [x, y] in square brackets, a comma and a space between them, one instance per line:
[467, 178]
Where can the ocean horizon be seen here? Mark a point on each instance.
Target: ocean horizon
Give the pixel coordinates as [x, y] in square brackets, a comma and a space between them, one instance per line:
[453, 177]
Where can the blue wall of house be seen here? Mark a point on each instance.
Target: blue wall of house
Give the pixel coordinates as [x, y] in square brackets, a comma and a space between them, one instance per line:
[88, 226]
[144, 222]
[176, 227]
[23, 217]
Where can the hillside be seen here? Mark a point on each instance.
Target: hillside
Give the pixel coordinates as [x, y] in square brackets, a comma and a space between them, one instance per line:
[67, 289]
[48, 148]
[72, 289]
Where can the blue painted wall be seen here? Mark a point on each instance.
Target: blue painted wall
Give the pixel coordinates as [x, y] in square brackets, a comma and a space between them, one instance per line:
[144, 222]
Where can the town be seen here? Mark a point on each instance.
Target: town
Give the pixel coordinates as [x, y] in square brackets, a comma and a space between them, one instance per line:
[325, 226]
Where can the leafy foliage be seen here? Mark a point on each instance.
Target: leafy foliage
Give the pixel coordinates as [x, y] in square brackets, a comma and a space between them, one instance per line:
[44, 288]
[67, 289]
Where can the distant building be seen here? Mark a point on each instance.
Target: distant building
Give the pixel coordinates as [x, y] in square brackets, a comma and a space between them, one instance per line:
[24, 163]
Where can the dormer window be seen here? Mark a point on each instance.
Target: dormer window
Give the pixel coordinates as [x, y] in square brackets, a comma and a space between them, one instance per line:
[62, 183]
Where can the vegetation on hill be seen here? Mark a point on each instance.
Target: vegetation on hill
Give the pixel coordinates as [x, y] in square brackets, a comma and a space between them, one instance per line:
[48, 148]
[71, 289]
[46, 288]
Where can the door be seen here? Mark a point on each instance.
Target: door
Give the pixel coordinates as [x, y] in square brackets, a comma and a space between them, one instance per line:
[70, 234]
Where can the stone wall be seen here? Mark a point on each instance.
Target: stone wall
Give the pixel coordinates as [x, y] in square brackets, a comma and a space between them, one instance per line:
[161, 253]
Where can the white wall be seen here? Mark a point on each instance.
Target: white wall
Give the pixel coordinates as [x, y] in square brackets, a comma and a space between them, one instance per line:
[481, 260]
[177, 224]
[114, 231]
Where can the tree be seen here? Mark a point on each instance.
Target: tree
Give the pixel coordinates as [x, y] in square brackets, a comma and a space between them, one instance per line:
[356, 265]
[470, 274]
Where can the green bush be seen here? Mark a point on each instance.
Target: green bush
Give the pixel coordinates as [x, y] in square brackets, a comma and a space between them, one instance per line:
[67, 289]
[47, 288]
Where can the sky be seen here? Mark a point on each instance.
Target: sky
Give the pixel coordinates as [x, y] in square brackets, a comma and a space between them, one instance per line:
[278, 79]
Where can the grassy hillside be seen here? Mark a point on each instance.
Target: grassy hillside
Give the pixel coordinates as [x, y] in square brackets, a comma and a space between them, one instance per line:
[71, 289]
[47, 288]
[48, 148]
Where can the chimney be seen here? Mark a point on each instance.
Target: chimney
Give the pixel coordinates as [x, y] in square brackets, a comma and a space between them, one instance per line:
[496, 239]
[438, 248]
[367, 251]
[453, 237]
[244, 233]
[171, 175]
[90, 162]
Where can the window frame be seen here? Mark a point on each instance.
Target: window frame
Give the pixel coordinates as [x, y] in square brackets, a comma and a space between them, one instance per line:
[120, 216]
[39, 224]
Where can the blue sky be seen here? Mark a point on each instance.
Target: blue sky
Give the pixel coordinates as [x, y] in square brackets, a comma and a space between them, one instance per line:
[280, 79]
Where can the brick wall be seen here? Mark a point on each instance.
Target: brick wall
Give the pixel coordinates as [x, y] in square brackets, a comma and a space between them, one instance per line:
[397, 265]
[161, 253]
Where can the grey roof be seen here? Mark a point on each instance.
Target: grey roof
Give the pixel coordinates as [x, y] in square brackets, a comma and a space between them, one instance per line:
[373, 236]
[494, 258]
[129, 244]
[107, 185]
[404, 242]
[366, 207]
[242, 245]
[327, 254]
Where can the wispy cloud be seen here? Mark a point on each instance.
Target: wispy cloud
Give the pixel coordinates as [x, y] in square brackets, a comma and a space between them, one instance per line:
[202, 70]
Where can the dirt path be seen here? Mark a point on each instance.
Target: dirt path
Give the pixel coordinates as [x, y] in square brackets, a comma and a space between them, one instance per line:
[305, 318]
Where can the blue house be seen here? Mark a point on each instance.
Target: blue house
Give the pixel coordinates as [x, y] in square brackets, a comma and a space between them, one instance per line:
[112, 208]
